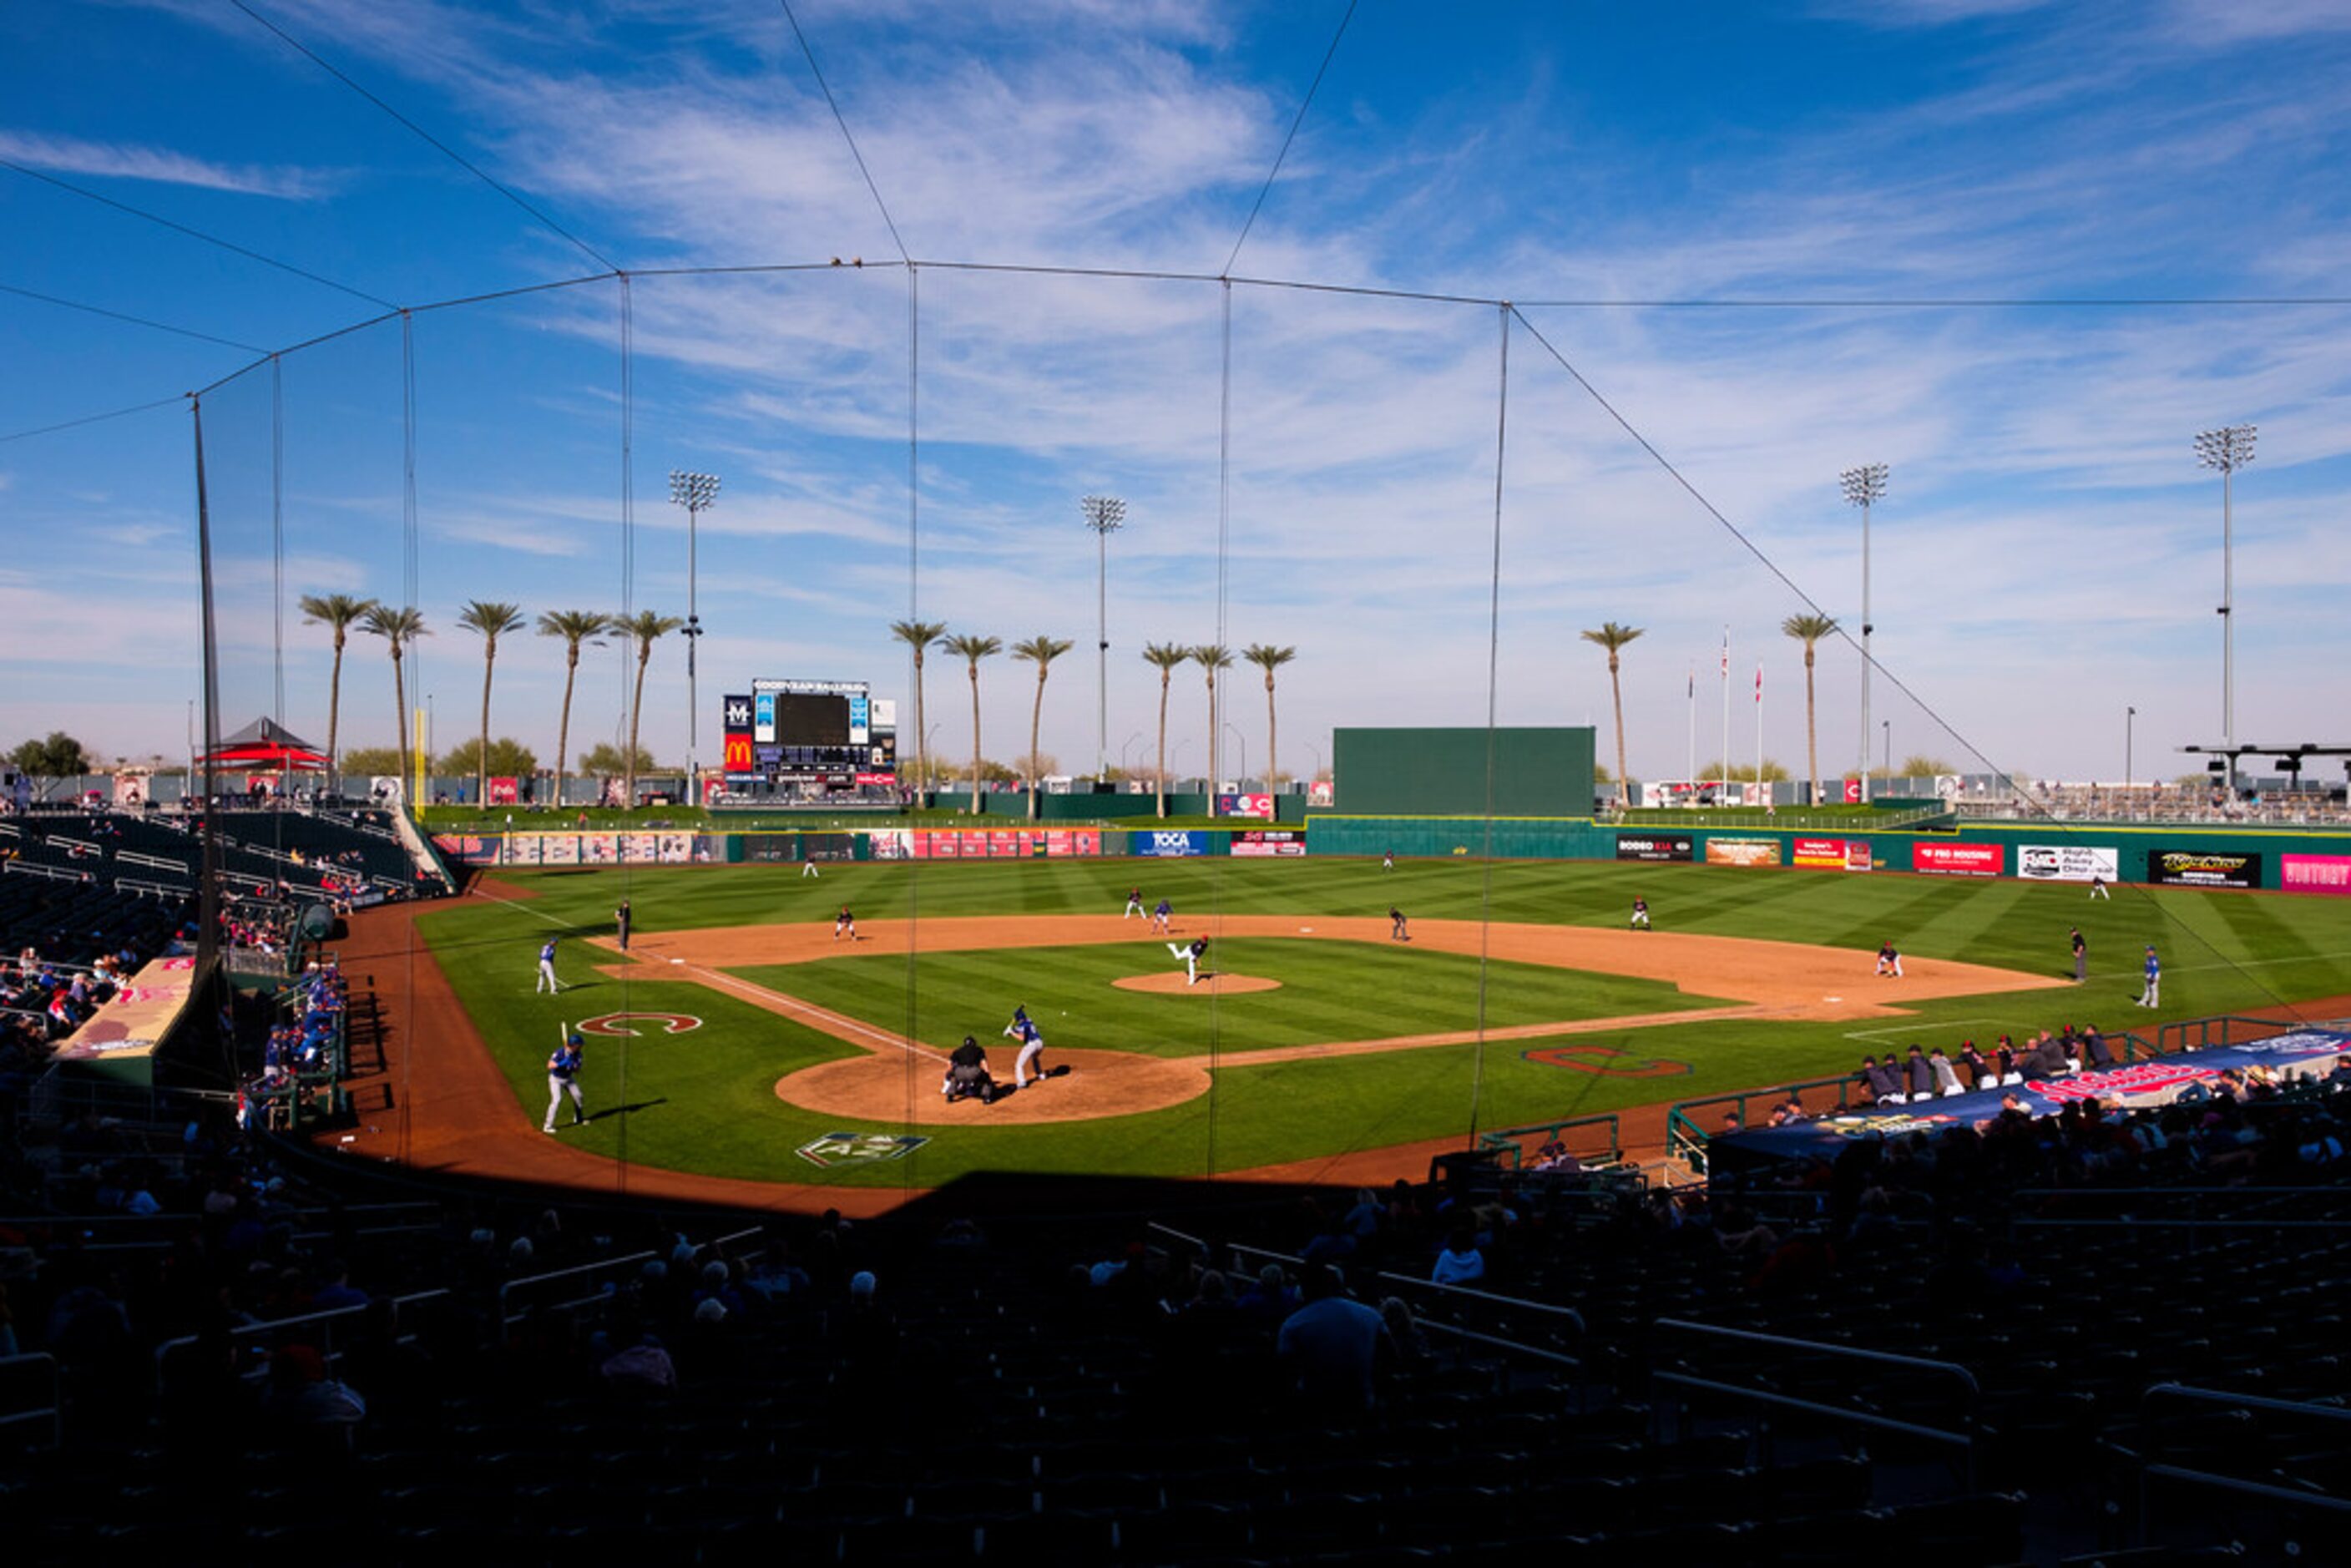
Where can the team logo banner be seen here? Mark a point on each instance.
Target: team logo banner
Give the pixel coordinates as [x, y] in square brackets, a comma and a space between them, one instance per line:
[737, 713]
[2316, 873]
[1656, 847]
[1956, 859]
[2199, 868]
[859, 1149]
[2068, 862]
[1743, 852]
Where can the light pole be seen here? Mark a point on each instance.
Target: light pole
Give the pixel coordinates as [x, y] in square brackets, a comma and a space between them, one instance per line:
[1241, 780]
[1863, 485]
[2228, 448]
[1103, 515]
[2129, 715]
[1127, 748]
[693, 492]
[1888, 726]
[1316, 749]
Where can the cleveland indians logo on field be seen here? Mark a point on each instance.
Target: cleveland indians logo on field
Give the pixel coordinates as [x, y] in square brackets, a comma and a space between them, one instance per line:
[624, 1023]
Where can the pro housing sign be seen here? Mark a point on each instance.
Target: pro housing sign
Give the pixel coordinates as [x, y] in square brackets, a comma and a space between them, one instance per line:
[1956, 859]
[2203, 868]
[1656, 847]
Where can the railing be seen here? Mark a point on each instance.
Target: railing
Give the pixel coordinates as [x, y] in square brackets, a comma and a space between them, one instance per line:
[328, 1352]
[53, 873]
[2232, 1029]
[1509, 1139]
[2329, 1415]
[1971, 1390]
[1796, 819]
[140, 887]
[50, 1404]
[153, 863]
[1686, 1138]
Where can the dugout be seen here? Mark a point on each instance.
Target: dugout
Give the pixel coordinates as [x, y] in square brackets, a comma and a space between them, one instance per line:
[1504, 772]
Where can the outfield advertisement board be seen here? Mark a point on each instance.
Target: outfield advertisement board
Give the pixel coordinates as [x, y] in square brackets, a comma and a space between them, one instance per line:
[1255, 843]
[979, 844]
[1656, 847]
[1167, 843]
[2068, 863]
[2203, 868]
[577, 849]
[1824, 854]
[1957, 860]
[1742, 852]
[2316, 873]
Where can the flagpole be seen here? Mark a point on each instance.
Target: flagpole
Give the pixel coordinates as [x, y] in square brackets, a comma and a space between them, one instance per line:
[1759, 733]
[1691, 774]
[1725, 780]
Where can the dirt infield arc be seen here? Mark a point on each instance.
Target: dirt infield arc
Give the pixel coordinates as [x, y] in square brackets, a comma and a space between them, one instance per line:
[1776, 980]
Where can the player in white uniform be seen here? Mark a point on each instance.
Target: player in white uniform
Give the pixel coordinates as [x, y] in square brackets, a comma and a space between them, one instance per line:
[1032, 1047]
[1190, 953]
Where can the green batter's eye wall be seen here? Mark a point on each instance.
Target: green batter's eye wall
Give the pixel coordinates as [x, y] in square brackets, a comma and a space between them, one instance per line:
[1535, 772]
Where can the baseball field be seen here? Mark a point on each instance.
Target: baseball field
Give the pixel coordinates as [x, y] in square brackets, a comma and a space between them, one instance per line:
[740, 1038]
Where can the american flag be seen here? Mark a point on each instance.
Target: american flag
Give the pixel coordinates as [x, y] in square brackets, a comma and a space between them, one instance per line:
[1758, 683]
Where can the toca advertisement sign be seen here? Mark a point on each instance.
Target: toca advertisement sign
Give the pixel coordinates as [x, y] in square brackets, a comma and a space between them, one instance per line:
[1169, 842]
[2203, 868]
[1742, 852]
[1956, 859]
[2316, 873]
[1656, 847]
[2068, 862]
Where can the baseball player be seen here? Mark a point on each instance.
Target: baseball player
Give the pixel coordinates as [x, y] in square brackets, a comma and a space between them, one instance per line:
[1163, 918]
[620, 923]
[1387, 860]
[845, 923]
[563, 1077]
[1032, 1047]
[968, 1075]
[808, 869]
[2081, 956]
[1397, 932]
[1889, 962]
[547, 980]
[1133, 905]
[2098, 888]
[1190, 953]
[2152, 995]
[1640, 914]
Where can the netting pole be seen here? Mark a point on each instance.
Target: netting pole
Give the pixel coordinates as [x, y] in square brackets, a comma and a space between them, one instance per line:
[1493, 697]
[208, 900]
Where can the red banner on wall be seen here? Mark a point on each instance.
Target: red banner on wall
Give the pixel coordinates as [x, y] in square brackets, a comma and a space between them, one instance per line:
[2316, 873]
[1957, 860]
[1822, 853]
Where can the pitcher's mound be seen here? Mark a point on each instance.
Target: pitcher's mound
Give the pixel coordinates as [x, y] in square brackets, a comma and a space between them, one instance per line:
[1085, 1084]
[1210, 985]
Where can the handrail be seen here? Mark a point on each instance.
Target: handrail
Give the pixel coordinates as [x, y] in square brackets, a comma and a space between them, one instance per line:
[159, 863]
[2193, 1395]
[511, 1285]
[1507, 1137]
[330, 1316]
[1789, 1342]
[53, 873]
[1548, 1308]
[2263, 1490]
[55, 1411]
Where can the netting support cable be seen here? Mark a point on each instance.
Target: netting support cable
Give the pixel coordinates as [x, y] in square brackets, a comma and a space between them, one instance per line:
[153, 325]
[278, 535]
[914, 612]
[1303, 105]
[1493, 710]
[817, 71]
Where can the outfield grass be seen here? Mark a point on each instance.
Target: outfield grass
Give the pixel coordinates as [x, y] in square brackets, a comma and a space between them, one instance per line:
[706, 1101]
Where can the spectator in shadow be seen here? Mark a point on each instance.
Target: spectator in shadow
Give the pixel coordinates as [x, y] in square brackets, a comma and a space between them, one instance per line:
[1333, 1348]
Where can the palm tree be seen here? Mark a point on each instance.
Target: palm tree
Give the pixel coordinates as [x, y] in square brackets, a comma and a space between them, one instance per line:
[644, 627]
[398, 628]
[919, 635]
[339, 612]
[492, 619]
[575, 627]
[1167, 656]
[1212, 657]
[1041, 652]
[1269, 658]
[1614, 637]
[972, 648]
[1809, 630]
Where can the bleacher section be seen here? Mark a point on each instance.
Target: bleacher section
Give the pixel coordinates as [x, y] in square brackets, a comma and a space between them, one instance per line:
[331, 856]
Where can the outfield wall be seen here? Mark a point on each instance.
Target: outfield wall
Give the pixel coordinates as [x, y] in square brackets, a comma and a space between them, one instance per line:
[2271, 859]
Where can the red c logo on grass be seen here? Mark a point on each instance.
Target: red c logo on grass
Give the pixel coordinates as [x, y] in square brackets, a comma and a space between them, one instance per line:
[1614, 1063]
[622, 1023]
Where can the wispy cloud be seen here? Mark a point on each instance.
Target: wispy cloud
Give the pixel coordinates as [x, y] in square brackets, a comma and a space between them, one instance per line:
[123, 161]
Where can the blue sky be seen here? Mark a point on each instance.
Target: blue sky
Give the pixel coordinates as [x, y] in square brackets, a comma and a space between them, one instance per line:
[1826, 179]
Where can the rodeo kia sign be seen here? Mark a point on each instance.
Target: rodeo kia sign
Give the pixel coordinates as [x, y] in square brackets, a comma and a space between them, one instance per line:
[2201, 868]
[1655, 846]
[1956, 859]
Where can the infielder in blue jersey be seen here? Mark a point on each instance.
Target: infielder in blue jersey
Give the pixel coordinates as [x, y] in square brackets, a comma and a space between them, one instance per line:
[547, 980]
[563, 1077]
[2152, 995]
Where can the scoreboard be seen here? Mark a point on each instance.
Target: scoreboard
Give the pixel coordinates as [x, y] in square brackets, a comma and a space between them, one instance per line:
[834, 734]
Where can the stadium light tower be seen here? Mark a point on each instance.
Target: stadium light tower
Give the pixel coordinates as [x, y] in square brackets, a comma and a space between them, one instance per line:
[1863, 485]
[694, 491]
[2228, 448]
[1103, 515]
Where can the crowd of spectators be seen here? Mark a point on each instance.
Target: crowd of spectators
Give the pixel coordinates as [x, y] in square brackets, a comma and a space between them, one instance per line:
[303, 1055]
[2052, 799]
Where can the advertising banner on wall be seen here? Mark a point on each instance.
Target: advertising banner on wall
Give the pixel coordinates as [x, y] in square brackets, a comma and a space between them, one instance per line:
[1956, 859]
[1827, 854]
[1857, 856]
[1322, 792]
[1168, 842]
[1258, 843]
[1260, 806]
[2316, 873]
[1656, 847]
[2203, 868]
[1742, 852]
[2068, 862]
